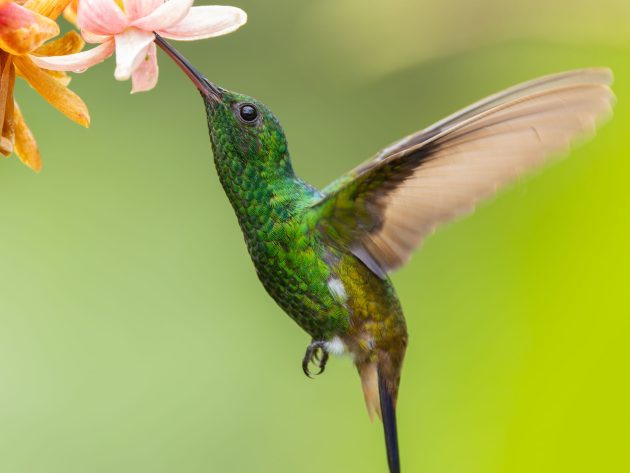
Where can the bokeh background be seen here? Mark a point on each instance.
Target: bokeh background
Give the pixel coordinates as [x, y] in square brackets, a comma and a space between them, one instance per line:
[135, 337]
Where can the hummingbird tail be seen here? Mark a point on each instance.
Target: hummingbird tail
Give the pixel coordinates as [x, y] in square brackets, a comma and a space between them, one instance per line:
[380, 399]
[388, 414]
[369, 383]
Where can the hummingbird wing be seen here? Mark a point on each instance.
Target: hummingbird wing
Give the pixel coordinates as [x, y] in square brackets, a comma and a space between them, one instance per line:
[385, 207]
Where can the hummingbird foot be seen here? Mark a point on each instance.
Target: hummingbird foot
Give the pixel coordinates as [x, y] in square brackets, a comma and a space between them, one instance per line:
[317, 354]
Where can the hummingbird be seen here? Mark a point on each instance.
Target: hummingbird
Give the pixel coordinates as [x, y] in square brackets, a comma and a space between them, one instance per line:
[325, 255]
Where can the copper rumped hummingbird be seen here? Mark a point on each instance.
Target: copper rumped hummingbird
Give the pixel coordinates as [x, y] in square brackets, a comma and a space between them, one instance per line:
[324, 255]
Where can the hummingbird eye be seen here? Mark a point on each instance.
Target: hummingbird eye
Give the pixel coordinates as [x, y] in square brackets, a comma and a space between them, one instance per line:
[248, 112]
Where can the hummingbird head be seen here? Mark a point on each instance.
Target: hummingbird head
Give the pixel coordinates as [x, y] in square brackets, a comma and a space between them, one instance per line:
[244, 132]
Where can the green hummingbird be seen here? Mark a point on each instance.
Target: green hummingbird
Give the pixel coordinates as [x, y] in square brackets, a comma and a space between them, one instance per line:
[324, 255]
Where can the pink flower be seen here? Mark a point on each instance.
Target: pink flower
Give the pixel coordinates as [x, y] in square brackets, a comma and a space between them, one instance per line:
[129, 32]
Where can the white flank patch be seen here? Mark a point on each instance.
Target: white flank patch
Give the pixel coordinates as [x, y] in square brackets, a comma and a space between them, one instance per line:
[338, 290]
[335, 346]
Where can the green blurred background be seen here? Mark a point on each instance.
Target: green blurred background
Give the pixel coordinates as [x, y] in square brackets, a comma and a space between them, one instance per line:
[135, 336]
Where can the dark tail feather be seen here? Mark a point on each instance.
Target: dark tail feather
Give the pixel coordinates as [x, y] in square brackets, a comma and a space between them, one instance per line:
[388, 411]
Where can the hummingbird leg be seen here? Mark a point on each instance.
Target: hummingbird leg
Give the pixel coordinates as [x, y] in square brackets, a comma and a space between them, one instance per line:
[315, 353]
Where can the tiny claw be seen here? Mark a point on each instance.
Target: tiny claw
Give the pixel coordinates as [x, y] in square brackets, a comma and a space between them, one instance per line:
[322, 362]
[307, 372]
[312, 355]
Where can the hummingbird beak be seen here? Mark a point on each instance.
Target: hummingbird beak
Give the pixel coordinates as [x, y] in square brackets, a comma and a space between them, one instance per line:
[207, 88]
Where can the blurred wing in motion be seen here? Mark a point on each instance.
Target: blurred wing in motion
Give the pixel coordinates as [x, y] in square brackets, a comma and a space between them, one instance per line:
[384, 208]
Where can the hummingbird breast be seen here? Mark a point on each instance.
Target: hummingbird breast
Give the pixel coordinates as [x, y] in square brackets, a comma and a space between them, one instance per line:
[294, 265]
[329, 292]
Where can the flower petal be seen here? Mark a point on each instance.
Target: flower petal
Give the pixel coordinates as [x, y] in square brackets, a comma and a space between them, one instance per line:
[7, 81]
[77, 62]
[94, 38]
[103, 17]
[49, 8]
[70, 43]
[138, 8]
[131, 47]
[146, 75]
[22, 30]
[61, 77]
[60, 97]
[8, 120]
[25, 144]
[206, 22]
[167, 14]
[70, 12]
[6, 146]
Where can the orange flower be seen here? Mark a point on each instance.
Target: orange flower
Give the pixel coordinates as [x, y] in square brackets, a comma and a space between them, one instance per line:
[24, 28]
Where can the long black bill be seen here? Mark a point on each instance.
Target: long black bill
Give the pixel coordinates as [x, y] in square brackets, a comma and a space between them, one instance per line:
[207, 88]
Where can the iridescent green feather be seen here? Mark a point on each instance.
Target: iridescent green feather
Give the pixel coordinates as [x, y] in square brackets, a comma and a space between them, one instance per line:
[291, 261]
